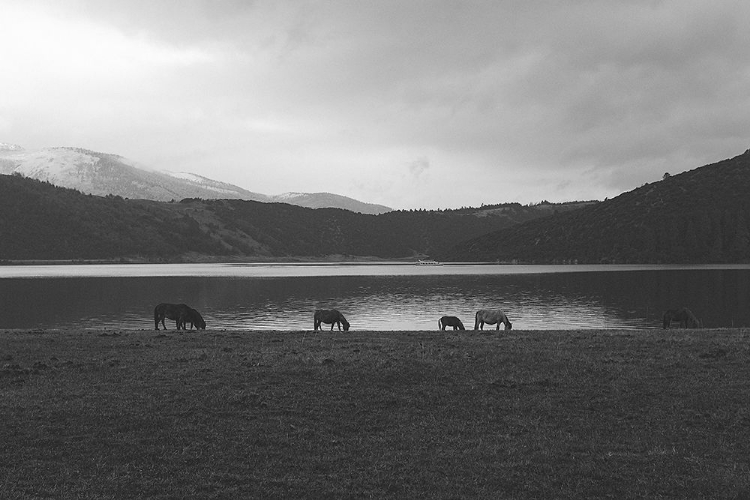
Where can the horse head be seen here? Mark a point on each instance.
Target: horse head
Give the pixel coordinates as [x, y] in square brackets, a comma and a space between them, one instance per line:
[198, 320]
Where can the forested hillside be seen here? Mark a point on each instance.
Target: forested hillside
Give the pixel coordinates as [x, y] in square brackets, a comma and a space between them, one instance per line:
[41, 221]
[700, 216]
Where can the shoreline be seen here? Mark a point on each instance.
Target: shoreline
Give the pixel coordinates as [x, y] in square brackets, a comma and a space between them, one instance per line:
[515, 332]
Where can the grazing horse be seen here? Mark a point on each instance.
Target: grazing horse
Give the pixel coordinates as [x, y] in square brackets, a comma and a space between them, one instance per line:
[686, 318]
[181, 313]
[491, 317]
[450, 321]
[194, 318]
[331, 316]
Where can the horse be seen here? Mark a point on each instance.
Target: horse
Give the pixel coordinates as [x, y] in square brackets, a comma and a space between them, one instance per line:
[194, 318]
[686, 318]
[181, 313]
[331, 316]
[450, 321]
[491, 317]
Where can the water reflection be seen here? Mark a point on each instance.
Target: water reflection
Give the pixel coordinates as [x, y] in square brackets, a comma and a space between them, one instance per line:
[395, 301]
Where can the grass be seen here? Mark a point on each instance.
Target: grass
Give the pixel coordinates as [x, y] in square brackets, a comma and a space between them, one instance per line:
[574, 414]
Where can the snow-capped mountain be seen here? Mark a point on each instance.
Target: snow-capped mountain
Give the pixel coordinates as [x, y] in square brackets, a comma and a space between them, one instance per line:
[104, 174]
[329, 200]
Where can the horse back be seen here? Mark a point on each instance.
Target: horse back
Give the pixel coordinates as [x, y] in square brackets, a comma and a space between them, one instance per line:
[490, 317]
[328, 315]
[171, 311]
[174, 311]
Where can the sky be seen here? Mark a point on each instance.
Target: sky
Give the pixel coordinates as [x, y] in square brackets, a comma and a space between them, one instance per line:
[405, 103]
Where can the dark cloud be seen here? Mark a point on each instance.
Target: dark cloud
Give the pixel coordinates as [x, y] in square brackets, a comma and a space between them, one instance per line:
[419, 166]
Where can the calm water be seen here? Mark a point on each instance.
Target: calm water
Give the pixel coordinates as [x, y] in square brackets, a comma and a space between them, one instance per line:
[373, 296]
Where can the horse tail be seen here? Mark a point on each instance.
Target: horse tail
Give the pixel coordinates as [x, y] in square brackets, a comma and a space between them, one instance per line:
[476, 321]
[666, 319]
[440, 324]
[157, 315]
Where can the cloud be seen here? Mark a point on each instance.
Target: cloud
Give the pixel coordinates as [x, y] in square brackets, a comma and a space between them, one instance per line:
[418, 167]
[537, 100]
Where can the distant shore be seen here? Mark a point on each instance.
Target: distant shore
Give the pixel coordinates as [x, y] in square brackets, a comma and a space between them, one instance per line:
[208, 259]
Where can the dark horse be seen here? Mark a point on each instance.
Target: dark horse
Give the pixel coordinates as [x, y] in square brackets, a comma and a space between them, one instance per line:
[686, 318]
[331, 316]
[194, 318]
[450, 321]
[491, 317]
[181, 313]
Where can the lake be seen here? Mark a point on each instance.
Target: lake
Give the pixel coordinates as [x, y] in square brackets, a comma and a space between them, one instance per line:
[382, 297]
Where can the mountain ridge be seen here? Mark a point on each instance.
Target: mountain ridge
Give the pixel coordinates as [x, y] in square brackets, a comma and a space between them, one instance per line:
[102, 174]
[697, 216]
[41, 221]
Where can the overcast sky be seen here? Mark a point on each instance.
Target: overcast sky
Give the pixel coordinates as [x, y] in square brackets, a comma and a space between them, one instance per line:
[410, 104]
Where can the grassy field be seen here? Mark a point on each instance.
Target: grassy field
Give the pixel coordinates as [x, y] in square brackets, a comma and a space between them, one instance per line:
[573, 414]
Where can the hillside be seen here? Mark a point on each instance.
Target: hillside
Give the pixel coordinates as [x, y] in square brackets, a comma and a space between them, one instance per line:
[105, 174]
[42, 221]
[699, 216]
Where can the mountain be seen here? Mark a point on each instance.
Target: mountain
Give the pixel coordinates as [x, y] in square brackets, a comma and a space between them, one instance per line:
[328, 200]
[103, 174]
[40, 221]
[699, 216]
